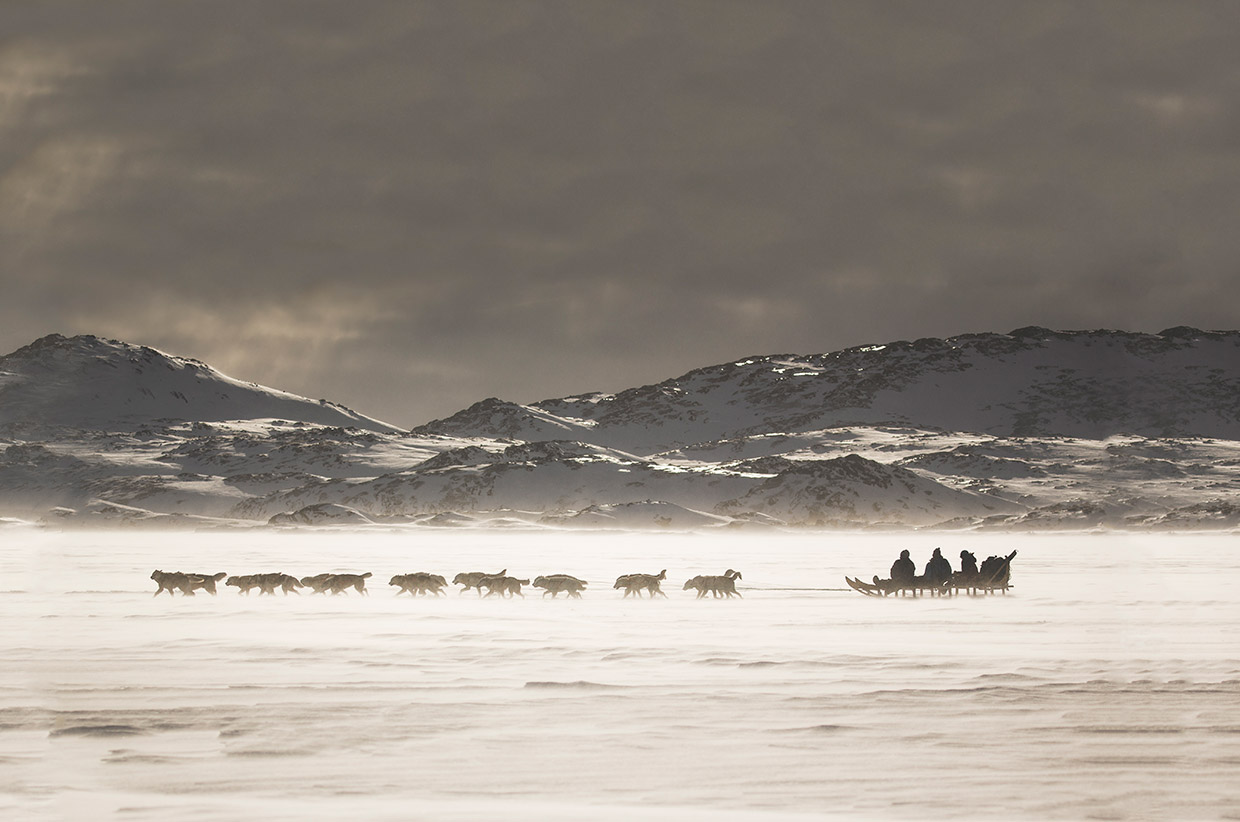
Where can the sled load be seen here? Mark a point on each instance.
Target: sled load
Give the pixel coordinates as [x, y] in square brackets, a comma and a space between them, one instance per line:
[995, 574]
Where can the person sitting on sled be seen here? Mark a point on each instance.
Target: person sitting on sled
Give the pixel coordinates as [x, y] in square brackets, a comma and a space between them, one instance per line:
[903, 570]
[968, 564]
[938, 569]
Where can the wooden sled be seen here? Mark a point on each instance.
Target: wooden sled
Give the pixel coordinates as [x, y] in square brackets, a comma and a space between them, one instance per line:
[864, 587]
[997, 578]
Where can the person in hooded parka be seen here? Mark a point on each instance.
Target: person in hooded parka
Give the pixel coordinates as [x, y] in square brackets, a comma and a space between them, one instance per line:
[903, 570]
[938, 569]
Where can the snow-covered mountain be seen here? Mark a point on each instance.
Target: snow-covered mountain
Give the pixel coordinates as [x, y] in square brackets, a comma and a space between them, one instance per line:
[852, 490]
[1029, 430]
[92, 383]
[1032, 382]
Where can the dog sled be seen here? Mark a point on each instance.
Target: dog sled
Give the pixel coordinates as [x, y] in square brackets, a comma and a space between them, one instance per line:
[995, 576]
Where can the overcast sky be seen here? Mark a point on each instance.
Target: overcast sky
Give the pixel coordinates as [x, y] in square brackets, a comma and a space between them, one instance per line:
[407, 207]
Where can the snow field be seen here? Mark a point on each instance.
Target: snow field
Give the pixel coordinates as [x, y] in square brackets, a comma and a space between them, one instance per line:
[1106, 685]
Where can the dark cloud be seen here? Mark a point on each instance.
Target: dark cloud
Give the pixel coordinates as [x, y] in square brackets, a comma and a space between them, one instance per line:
[410, 206]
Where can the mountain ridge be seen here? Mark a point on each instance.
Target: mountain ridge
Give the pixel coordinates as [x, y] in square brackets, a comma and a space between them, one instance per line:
[1031, 430]
[1031, 382]
[92, 382]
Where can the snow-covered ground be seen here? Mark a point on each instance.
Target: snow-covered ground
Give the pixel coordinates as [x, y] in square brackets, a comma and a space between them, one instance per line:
[1106, 685]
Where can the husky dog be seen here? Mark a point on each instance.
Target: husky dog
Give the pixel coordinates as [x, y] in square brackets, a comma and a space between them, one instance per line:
[243, 583]
[471, 579]
[317, 583]
[176, 581]
[505, 586]
[491, 583]
[339, 583]
[555, 583]
[265, 583]
[336, 583]
[634, 584]
[721, 585]
[205, 581]
[286, 582]
[718, 585]
[419, 583]
[568, 577]
[698, 583]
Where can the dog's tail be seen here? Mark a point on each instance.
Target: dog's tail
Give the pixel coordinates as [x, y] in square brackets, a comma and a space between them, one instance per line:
[367, 575]
[219, 576]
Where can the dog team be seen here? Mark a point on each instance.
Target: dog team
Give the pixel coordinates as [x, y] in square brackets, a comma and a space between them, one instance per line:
[422, 583]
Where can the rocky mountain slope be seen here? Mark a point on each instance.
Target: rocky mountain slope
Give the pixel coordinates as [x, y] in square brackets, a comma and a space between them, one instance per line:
[1032, 382]
[91, 383]
[1029, 430]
